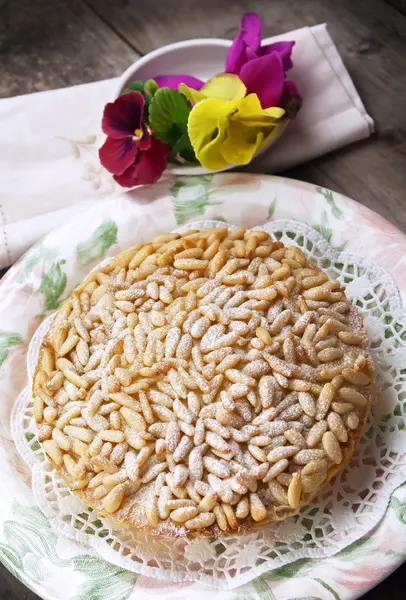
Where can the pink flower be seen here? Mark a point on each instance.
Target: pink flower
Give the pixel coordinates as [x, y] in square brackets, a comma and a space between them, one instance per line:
[129, 152]
[173, 81]
[262, 68]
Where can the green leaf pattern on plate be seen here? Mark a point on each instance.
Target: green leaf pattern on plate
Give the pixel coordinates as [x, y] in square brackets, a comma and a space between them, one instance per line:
[299, 567]
[102, 580]
[324, 230]
[328, 588]
[39, 254]
[11, 559]
[271, 209]
[191, 196]
[53, 285]
[263, 590]
[31, 548]
[98, 243]
[53, 280]
[329, 196]
[8, 340]
[399, 507]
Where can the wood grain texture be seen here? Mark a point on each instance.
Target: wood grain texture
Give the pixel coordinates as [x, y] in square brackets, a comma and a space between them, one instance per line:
[56, 43]
[46, 44]
[400, 5]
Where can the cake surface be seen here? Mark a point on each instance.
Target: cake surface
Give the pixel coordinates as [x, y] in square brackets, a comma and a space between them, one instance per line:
[203, 383]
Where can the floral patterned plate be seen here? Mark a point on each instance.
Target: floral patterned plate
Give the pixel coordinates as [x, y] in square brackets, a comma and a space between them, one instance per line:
[58, 569]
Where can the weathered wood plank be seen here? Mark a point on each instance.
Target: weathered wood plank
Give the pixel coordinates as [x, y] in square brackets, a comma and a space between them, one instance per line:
[370, 35]
[150, 24]
[55, 43]
[373, 173]
[400, 5]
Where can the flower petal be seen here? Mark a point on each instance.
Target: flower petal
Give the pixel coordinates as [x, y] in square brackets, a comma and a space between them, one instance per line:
[250, 27]
[207, 126]
[145, 141]
[173, 81]
[117, 155]
[252, 114]
[148, 166]
[284, 49]
[241, 144]
[123, 116]
[236, 56]
[246, 44]
[270, 133]
[264, 76]
[227, 86]
[126, 179]
[190, 93]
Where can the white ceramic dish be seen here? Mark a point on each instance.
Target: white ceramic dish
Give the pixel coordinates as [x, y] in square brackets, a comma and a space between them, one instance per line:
[201, 58]
[56, 568]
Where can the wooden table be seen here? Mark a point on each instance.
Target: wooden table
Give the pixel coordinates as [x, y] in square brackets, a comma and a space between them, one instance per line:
[47, 44]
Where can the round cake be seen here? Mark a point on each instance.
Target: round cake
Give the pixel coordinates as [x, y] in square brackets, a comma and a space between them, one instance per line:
[203, 383]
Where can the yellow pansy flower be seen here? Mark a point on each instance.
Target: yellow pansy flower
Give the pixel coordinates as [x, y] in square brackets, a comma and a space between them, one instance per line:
[224, 85]
[230, 131]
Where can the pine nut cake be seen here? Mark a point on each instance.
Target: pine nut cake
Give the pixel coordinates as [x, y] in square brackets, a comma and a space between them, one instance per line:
[203, 383]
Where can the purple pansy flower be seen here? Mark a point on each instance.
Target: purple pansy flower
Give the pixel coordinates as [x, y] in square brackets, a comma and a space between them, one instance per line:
[261, 68]
[172, 81]
[129, 152]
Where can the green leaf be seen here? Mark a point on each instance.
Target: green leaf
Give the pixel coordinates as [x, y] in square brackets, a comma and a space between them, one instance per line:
[98, 243]
[355, 549]
[151, 87]
[31, 514]
[400, 509]
[53, 285]
[342, 247]
[291, 570]
[168, 107]
[35, 568]
[37, 255]
[169, 137]
[220, 218]
[11, 560]
[262, 589]
[323, 228]
[328, 194]
[30, 539]
[8, 340]
[182, 150]
[103, 581]
[191, 197]
[136, 86]
[183, 145]
[327, 587]
[271, 209]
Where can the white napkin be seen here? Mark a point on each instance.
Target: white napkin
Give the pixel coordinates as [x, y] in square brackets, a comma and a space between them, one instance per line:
[49, 167]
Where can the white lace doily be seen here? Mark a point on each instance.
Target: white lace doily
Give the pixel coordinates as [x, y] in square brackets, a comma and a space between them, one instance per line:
[347, 508]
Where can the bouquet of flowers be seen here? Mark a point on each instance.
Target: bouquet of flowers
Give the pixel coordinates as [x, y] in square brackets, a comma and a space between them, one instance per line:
[180, 119]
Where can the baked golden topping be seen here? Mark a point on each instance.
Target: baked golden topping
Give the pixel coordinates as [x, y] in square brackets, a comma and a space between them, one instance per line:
[203, 382]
